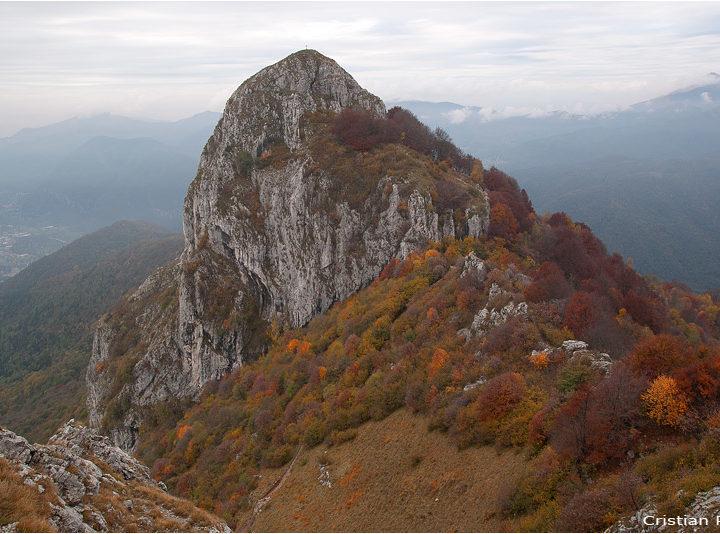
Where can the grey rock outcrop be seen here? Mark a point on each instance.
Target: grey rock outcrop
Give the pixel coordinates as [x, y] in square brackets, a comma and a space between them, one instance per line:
[475, 267]
[491, 316]
[579, 351]
[571, 345]
[78, 469]
[272, 243]
[271, 104]
[700, 516]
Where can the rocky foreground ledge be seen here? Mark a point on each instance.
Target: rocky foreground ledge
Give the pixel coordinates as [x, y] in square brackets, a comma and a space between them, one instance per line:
[80, 482]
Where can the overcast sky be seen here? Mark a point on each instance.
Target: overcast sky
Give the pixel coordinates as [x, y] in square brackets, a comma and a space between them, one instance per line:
[171, 60]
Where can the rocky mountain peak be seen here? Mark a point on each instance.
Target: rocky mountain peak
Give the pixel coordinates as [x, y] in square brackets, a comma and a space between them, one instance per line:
[281, 221]
[268, 106]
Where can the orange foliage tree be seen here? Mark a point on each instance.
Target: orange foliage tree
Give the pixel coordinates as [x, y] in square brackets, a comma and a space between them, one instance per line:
[701, 378]
[502, 221]
[665, 402]
[322, 372]
[439, 359]
[500, 395]
[298, 347]
[539, 359]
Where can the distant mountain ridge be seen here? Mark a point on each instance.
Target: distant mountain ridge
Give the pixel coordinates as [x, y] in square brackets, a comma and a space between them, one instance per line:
[83, 253]
[595, 168]
[679, 125]
[704, 95]
[93, 171]
[58, 139]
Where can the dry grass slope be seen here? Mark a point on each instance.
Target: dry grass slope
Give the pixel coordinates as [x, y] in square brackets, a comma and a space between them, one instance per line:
[395, 476]
[23, 504]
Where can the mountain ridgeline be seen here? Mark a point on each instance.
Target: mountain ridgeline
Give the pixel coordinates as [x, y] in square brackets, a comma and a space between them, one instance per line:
[351, 278]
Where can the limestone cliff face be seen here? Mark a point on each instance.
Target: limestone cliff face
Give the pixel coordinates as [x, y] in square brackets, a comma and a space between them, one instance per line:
[293, 243]
[137, 359]
[276, 230]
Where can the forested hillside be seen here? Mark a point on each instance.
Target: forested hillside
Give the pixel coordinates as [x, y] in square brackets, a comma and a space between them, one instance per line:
[481, 338]
[368, 324]
[645, 385]
[46, 316]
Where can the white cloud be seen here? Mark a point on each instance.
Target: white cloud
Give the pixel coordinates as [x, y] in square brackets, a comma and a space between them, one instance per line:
[178, 58]
[456, 116]
[488, 115]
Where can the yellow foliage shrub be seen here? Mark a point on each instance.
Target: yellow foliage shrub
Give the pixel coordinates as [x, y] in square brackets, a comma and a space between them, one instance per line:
[540, 359]
[664, 401]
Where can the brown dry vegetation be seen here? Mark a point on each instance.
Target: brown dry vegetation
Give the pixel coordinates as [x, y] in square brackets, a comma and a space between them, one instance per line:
[394, 476]
[150, 509]
[22, 503]
[124, 507]
[168, 510]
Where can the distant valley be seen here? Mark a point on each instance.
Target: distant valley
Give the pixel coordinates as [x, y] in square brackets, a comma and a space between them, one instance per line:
[47, 312]
[93, 171]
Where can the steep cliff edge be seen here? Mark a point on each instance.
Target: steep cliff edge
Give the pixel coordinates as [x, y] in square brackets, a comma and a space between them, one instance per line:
[280, 222]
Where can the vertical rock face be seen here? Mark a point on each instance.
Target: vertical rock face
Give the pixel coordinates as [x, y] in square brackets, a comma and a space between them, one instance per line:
[276, 231]
[271, 267]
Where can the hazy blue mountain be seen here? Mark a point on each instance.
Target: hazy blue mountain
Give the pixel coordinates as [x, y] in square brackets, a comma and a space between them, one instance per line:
[63, 180]
[704, 96]
[646, 179]
[33, 152]
[662, 213]
[106, 179]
